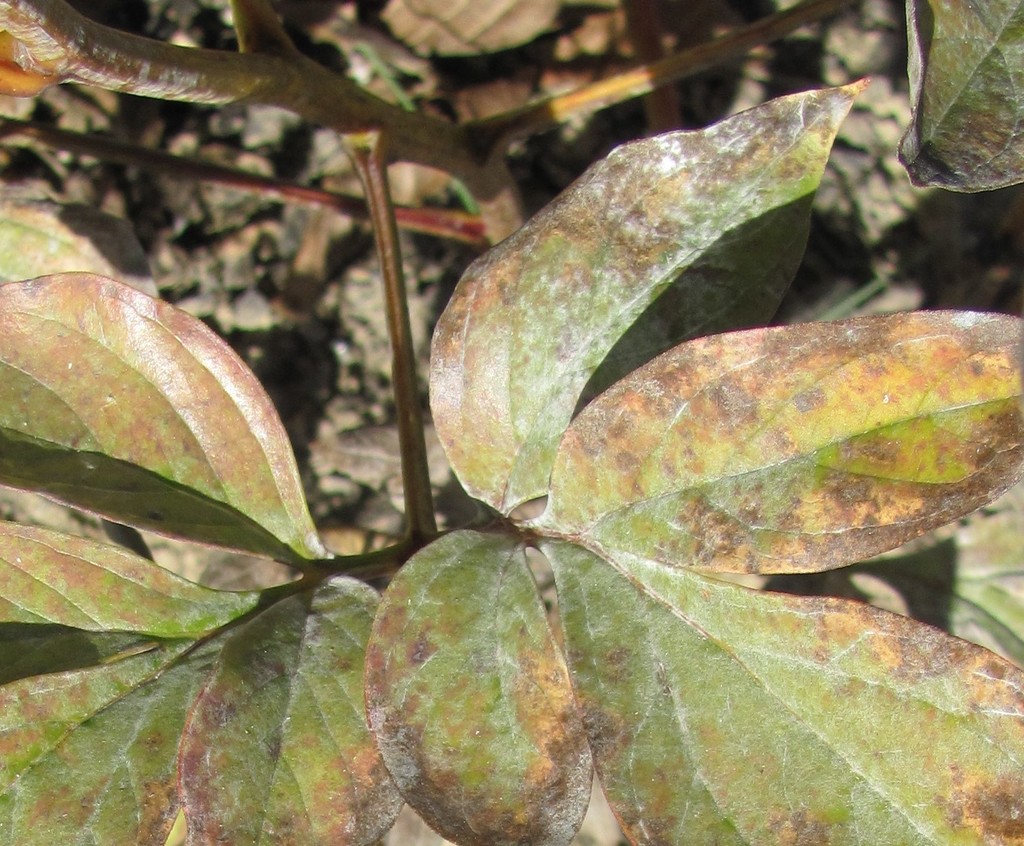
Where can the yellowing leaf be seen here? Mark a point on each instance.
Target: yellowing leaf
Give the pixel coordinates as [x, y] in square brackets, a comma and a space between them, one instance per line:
[796, 448]
[469, 699]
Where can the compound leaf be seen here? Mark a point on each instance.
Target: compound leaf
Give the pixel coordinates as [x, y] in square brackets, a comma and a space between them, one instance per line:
[51, 577]
[690, 215]
[277, 750]
[721, 715]
[125, 406]
[469, 698]
[966, 74]
[88, 756]
[796, 448]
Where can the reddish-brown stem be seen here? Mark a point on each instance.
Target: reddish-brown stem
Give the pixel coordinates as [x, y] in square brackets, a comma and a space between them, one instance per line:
[371, 164]
[442, 223]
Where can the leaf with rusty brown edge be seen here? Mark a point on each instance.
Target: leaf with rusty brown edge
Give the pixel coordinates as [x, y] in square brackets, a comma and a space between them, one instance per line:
[51, 577]
[721, 715]
[125, 406]
[89, 755]
[687, 215]
[277, 750]
[969, 581]
[468, 696]
[966, 69]
[796, 448]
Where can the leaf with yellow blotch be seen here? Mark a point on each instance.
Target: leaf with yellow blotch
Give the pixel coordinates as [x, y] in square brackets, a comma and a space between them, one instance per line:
[797, 448]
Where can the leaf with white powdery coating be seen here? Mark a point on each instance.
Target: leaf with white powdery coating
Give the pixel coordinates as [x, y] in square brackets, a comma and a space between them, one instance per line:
[89, 755]
[276, 750]
[469, 699]
[687, 217]
[50, 577]
[966, 69]
[785, 719]
[796, 448]
[119, 404]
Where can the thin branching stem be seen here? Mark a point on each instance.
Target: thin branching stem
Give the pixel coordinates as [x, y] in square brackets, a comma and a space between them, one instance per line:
[370, 162]
[442, 223]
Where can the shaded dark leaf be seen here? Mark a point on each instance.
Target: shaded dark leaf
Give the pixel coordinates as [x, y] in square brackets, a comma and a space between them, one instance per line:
[277, 750]
[967, 78]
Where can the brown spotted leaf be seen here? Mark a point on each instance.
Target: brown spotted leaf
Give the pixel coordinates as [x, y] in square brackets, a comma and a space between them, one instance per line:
[967, 77]
[669, 238]
[720, 716]
[468, 696]
[796, 448]
[50, 577]
[125, 406]
[88, 754]
[277, 750]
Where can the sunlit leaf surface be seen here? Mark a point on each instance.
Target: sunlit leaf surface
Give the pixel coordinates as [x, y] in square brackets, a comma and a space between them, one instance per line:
[88, 756]
[122, 405]
[277, 750]
[469, 697]
[713, 222]
[967, 80]
[50, 577]
[796, 448]
[720, 715]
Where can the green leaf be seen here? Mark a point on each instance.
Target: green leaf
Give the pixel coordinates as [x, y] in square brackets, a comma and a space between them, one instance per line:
[966, 69]
[122, 405]
[687, 215]
[277, 749]
[88, 756]
[50, 577]
[796, 448]
[785, 719]
[468, 696]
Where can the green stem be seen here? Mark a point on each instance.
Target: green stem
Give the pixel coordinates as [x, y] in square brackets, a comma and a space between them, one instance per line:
[367, 154]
